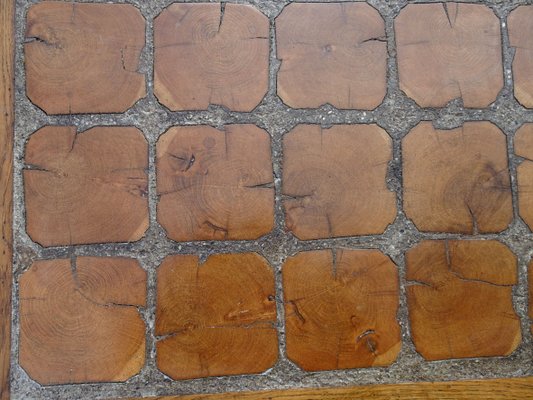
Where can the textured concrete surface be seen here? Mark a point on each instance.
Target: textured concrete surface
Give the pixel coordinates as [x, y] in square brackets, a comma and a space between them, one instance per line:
[397, 115]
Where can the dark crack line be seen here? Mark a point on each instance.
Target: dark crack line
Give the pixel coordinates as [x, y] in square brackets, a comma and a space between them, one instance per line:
[34, 167]
[74, 138]
[365, 333]
[37, 39]
[221, 19]
[296, 310]
[253, 325]
[216, 228]
[446, 11]
[475, 229]
[123, 61]
[77, 284]
[296, 196]
[334, 262]
[371, 345]
[382, 39]
[189, 160]
[190, 163]
[461, 277]
[414, 282]
[267, 185]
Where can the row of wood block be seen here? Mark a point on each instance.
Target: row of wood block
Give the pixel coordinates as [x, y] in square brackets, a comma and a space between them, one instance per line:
[85, 58]
[92, 187]
[83, 319]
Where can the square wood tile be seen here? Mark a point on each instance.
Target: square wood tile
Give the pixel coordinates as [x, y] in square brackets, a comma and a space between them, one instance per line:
[216, 318]
[340, 309]
[448, 51]
[459, 298]
[70, 68]
[79, 320]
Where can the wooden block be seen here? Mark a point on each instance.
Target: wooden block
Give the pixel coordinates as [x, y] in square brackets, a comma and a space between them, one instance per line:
[211, 54]
[524, 148]
[82, 325]
[83, 58]
[457, 180]
[88, 187]
[7, 139]
[340, 309]
[215, 185]
[481, 389]
[216, 318]
[448, 51]
[520, 24]
[459, 296]
[331, 53]
[334, 181]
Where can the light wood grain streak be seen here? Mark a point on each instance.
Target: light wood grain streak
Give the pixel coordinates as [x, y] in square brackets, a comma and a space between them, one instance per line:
[6, 190]
[495, 389]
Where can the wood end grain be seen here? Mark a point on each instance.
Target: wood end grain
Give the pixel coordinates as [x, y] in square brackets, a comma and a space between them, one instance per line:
[459, 296]
[340, 309]
[215, 318]
[84, 58]
[89, 187]
[79, 320]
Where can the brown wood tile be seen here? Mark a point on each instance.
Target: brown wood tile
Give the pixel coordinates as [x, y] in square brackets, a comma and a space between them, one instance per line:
[331, 53]
[459, 299]
[520, 24]
[83, 58]
[7, 141]
[448, 51]
[334, 181]
[82, 325]
[480, 389]
[524, 148]
[215, 318]
[457, 180]
[88, 187]
[340, 309]
[211, 54]
[215, 185]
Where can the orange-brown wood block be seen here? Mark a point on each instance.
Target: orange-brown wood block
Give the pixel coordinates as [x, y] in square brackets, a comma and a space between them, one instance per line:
[88, 187]
[520, 24]
[81, 323]
[448, 51]
[334, 181]
[524, 148]
[331, 53]
[340, 309]
[216, 318]
[215, 185]
[459, 296]
[83, 58]
[457, 180]
[211, 54]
